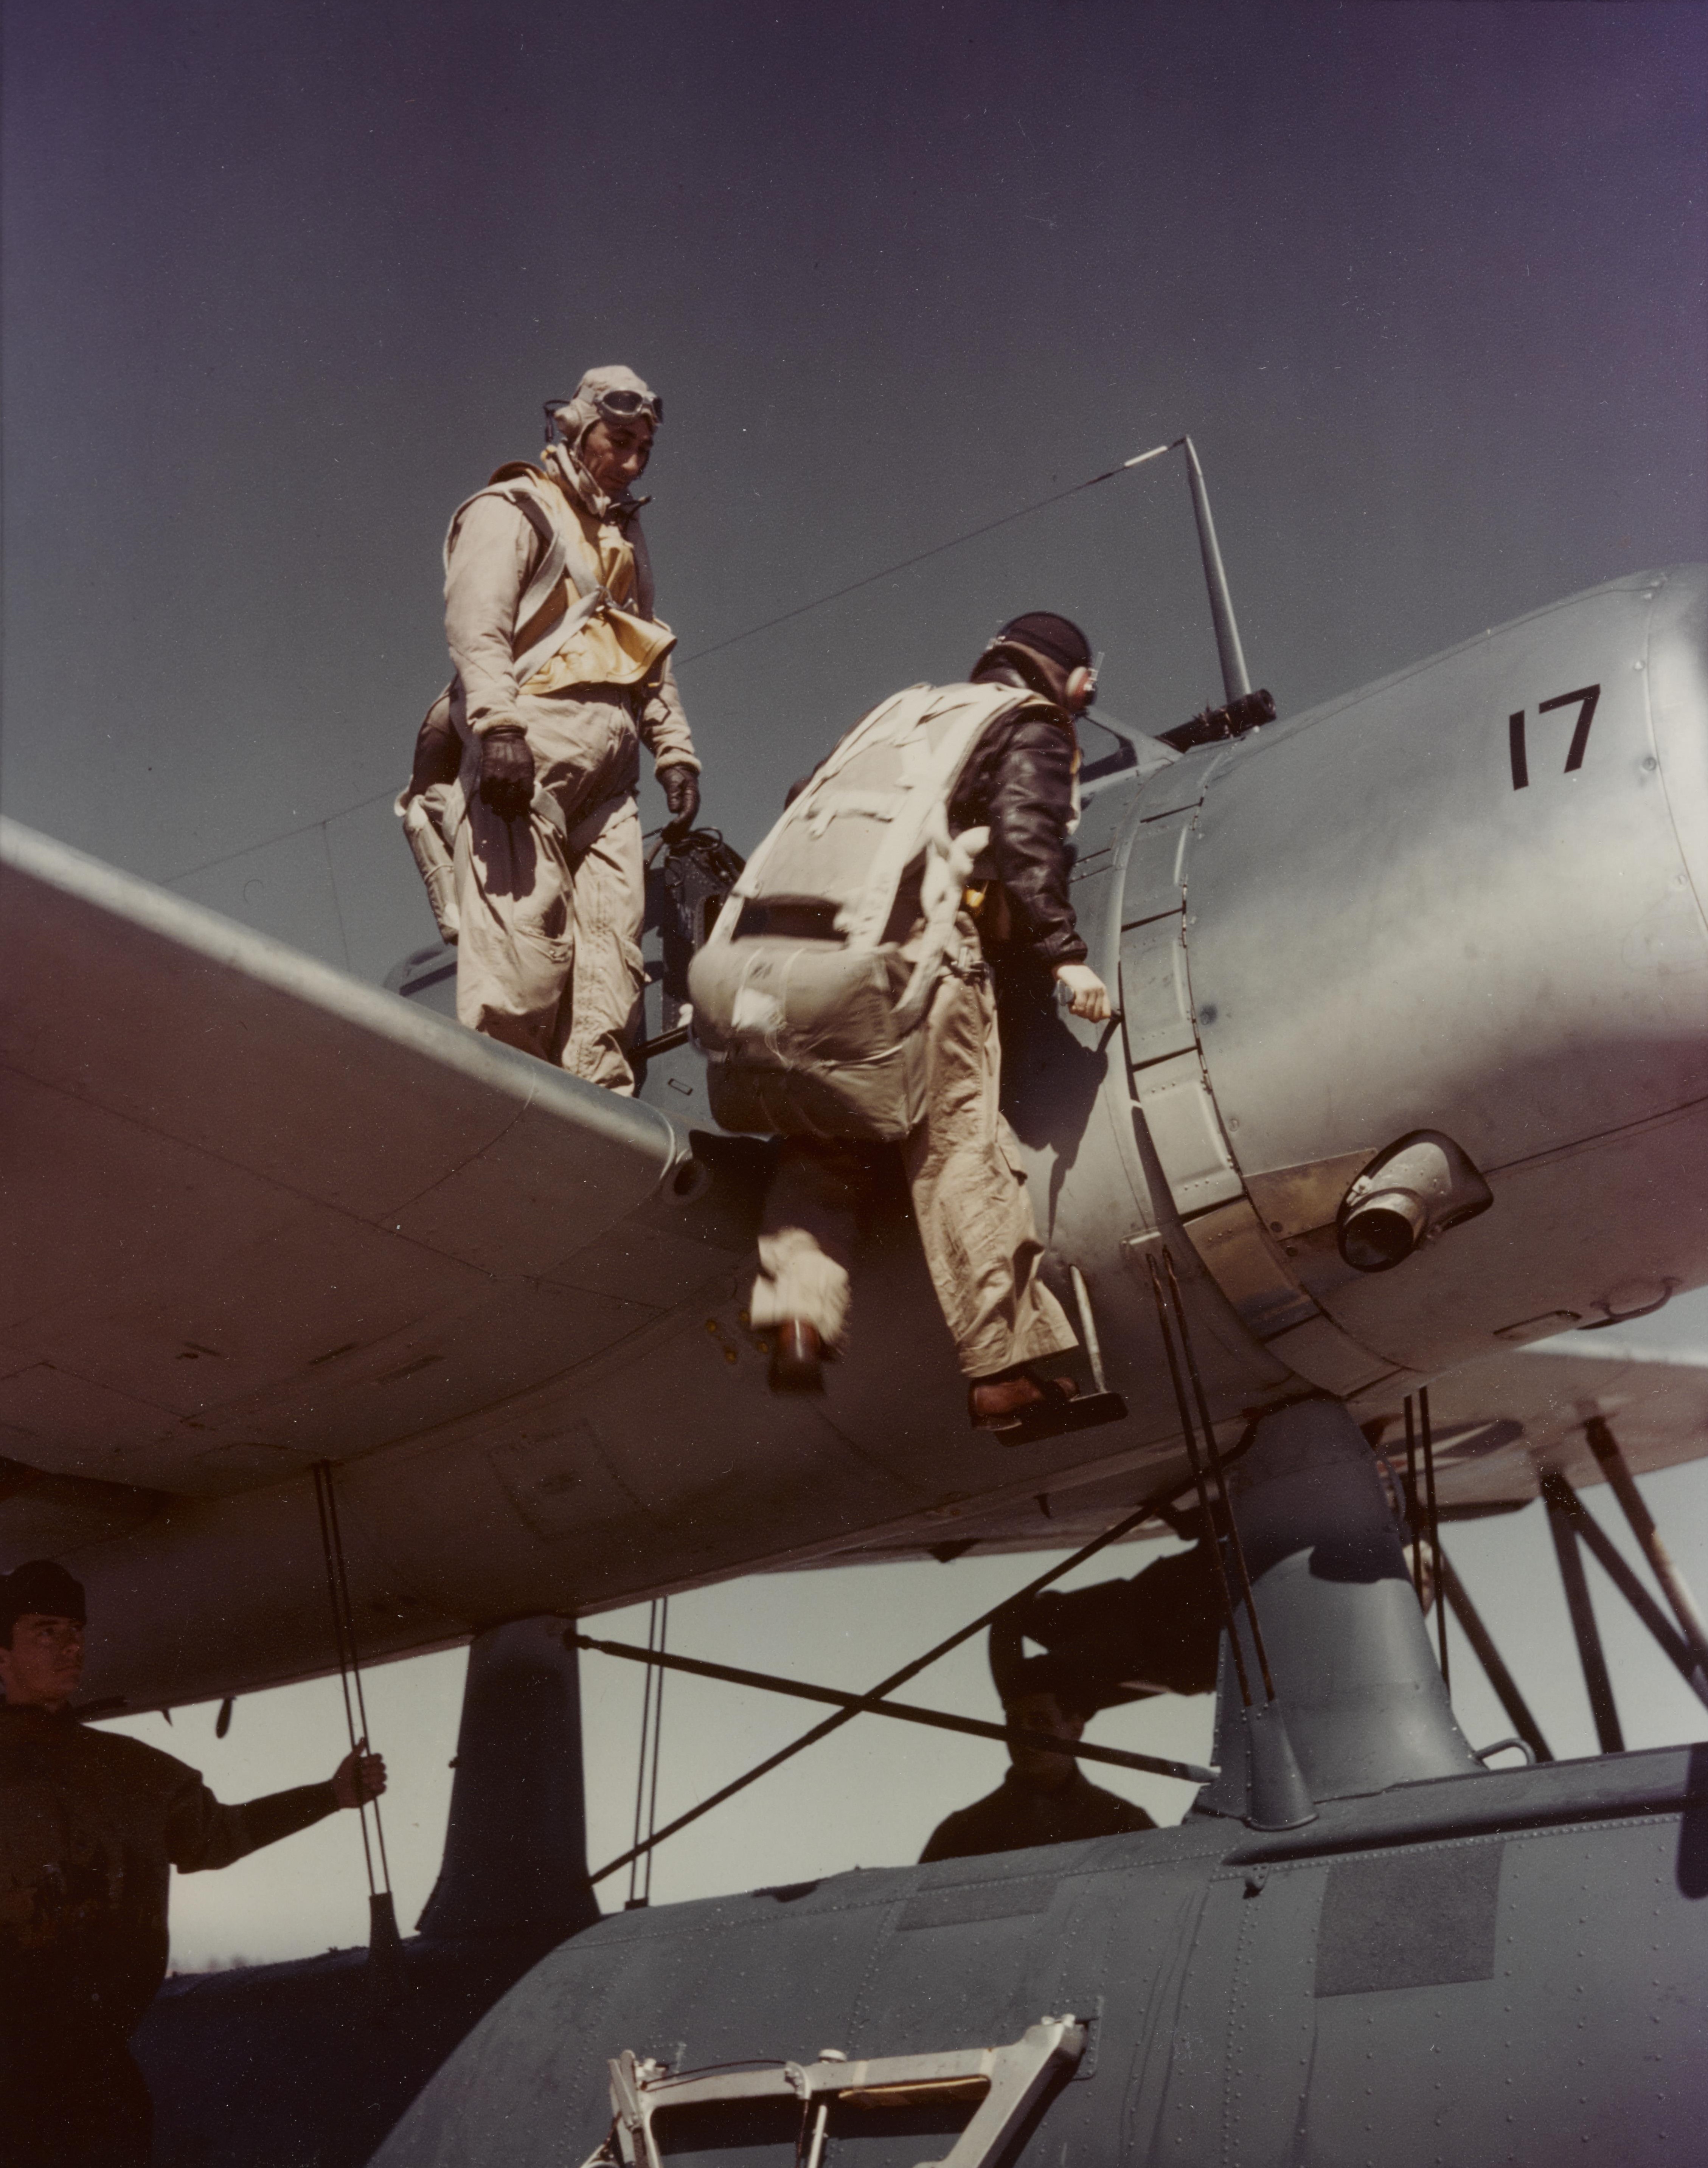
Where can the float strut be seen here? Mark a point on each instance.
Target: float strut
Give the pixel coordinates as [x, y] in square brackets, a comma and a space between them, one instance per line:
[1605, 1446]
[1602, 1549]
[1518, 1709]
[1564, 1527]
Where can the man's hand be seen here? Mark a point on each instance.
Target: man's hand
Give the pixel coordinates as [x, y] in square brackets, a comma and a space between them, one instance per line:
[1090, 996]
[358, 1777]
[507, 772]
[681, 788]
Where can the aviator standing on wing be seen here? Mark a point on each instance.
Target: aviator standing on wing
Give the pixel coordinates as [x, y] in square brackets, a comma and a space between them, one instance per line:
[91, 1824]
[521, 810]
[845, 1001]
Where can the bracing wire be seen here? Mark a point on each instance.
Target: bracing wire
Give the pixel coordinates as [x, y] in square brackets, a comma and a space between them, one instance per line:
[634, 1897]
[657, 1745]
[1124, 1526]
[646, 1763]
[1211, 1539]
[1213, 1454]
[1414, 1513]
[734, 639]
[1435, 1513]
[907, 564]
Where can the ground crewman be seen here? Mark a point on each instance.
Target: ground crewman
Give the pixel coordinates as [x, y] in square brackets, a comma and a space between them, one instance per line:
[1114, 1642]
[90, 1824]
[1045, 1798]
[963, 1170]
[522, 806]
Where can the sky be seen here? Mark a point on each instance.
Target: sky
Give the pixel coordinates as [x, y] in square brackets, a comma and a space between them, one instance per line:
[284, 283]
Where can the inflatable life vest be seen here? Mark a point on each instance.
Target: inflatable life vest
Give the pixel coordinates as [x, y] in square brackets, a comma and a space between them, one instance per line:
[809, 996]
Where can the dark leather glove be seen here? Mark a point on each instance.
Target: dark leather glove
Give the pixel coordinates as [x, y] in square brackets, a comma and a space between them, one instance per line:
[681, 788]
[507, 772]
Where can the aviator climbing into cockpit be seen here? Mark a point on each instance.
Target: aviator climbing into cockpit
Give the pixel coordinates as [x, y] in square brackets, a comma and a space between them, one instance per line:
[844, 1001]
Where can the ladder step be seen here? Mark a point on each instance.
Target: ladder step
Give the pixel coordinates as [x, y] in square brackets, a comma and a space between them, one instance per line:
[1057, 1419]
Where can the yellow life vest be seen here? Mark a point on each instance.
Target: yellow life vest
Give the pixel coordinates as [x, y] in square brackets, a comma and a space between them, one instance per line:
[615, 646]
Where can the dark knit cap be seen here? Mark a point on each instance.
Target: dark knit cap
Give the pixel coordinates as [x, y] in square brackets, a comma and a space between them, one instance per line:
[42, 1586]
[1056, 637]
[1049, 1674]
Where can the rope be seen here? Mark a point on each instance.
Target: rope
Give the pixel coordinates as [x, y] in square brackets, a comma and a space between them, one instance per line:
[717, 647]
[349, 1668]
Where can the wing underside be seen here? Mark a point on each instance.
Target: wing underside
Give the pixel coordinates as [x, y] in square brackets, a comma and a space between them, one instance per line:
[257, 1214]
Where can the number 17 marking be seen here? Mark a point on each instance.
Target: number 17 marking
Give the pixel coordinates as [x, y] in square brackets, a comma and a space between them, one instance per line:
[1585, 697]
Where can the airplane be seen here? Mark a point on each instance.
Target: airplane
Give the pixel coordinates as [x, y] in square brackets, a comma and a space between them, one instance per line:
[1408, 1090]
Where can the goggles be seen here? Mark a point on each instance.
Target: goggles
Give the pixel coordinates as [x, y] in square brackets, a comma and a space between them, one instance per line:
[630, 406]
[565, 418]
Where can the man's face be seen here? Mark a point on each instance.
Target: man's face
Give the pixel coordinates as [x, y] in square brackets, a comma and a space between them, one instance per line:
[44, 1666]
[1042, 1712]
[615, 453]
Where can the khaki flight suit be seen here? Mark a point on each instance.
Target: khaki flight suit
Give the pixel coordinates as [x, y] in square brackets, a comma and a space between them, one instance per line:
[550, 908]
[968, 1191]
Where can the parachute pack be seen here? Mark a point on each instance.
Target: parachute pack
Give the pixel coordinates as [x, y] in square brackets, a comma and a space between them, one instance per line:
[809, 995]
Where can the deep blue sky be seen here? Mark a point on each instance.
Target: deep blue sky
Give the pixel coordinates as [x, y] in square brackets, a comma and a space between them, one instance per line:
[286, 281]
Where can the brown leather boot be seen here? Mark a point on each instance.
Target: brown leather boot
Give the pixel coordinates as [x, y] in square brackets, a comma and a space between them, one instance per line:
[1001, 1403]
[797, 1358]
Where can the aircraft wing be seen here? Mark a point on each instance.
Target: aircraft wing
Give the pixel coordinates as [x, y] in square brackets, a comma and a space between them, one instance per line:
[1496, 1425]
[257, 1214]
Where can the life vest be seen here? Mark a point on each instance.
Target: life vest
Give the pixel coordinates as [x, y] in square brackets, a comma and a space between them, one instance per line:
[809, 995]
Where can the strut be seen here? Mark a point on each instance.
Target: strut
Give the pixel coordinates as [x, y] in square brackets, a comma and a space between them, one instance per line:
[1605, 1448]
[1564, 1526]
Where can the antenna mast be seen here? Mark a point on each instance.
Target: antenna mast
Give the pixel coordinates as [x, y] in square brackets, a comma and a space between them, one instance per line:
[1234, 679]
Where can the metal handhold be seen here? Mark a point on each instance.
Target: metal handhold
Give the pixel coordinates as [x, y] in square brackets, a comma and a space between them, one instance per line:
[1278, 1799]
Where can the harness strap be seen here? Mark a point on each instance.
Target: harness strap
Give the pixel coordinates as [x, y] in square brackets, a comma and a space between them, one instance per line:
[561, 556]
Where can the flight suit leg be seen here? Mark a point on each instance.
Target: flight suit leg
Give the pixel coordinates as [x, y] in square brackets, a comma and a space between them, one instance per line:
[969, 1191]
[516, 942]
[807, 1239]
[608, 899]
